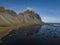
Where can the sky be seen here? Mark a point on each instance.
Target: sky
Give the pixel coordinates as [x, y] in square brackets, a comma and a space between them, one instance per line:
[49, 10]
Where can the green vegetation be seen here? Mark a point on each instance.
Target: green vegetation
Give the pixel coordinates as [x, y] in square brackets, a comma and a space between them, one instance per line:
[11, 12]
[8, 11]
[6, 25]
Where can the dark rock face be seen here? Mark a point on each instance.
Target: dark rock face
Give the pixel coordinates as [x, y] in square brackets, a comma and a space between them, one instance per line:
[29, 16]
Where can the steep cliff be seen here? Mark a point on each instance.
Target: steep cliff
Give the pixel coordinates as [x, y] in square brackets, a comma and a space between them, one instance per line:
[30, 17]
[9, 17]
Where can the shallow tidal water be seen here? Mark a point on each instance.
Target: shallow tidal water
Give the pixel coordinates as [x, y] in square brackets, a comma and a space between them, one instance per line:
[47, 34]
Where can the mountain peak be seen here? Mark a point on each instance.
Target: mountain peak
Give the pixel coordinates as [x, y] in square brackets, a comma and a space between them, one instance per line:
[29, 10]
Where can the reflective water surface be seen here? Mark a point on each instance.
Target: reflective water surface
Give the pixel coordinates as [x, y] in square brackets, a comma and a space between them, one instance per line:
[47, 34]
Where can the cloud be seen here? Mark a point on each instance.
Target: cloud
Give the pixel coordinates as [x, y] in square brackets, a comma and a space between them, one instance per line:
[51, 19]
[29, 8]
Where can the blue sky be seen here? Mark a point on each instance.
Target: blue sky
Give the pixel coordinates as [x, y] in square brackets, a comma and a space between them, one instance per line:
[49, 10]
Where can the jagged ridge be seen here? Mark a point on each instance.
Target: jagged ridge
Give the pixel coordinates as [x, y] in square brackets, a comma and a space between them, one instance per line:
[10, 17]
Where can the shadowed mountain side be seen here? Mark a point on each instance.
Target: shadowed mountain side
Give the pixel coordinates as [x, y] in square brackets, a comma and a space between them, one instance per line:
[10, 21]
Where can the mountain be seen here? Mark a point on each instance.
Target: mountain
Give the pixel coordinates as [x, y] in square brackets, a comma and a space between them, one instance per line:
[10, 20]
[30, 17]
[10, 17]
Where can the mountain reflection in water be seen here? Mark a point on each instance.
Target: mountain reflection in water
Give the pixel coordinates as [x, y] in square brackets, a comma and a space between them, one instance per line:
[47, 34]
[20, 35]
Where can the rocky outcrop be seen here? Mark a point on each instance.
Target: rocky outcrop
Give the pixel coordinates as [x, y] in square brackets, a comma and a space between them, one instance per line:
[30, 17]
[10, 17]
